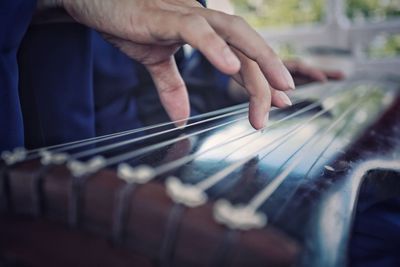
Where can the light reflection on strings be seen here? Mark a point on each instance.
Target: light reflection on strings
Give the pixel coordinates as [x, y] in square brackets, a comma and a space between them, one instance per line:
[237, 109]
[142, 138]
[130, 155]
[180, 162]
[244, 147]
[318, 158]
[51, 154]
[225, 213]
[143, 174]
[178, 191]
[79, 168]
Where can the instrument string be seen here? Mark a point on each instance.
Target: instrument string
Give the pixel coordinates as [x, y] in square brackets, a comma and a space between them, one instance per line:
[212, 180]
[303, 145]
[323, 96]
[184, 160]
[142, 138]
[144, 150]
[58, 154]
[307, 141]
[75, 144]
[306, 176]
[180, 162]
[97, 163]
[54, 154]
[264, 194]
[289, 134]
[246, 216]
[312, 106]
[195, 194]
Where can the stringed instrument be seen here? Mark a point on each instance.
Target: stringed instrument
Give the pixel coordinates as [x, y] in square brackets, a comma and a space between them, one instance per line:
[217, 193]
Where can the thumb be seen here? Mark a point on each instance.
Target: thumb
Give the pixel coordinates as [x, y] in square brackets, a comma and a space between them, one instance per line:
[171, 90]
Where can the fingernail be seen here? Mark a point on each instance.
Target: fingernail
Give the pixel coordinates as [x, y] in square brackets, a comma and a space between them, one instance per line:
[288, 78]
[230, 58]
[284, 98]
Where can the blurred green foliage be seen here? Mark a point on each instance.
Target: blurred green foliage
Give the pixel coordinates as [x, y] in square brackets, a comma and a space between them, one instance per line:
[289, 13]
[272, 13]
[268, 13]
[384, 46]
[372, 9]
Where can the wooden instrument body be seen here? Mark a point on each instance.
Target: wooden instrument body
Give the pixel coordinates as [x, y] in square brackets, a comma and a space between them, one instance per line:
[52, 218]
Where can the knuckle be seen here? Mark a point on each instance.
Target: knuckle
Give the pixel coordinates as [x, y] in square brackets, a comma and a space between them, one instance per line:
[191, 20]
[172, 88]
[237, 21]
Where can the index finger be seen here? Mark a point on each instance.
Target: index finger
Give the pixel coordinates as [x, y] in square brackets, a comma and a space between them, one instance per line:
[236, 32]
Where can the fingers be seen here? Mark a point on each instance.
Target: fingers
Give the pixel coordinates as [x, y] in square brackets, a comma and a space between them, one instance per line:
[252, 79]
[237, 33]
[335, 75]
[187, 27]
[305, 70]
[238, 92]
[280, 99]
[171, 89]
[195, 30]
[313, 73]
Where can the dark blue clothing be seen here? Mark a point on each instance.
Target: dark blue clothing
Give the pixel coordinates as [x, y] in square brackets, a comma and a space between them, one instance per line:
[56, 79]
[115, 77]
[15, 16]
[74, 85]
[375, 238]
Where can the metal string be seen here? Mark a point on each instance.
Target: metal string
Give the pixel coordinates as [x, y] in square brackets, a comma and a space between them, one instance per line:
[318, 158]
[264, 194]
[210, 181]
[182, 161]
[35, 153]
[88, 141]
[142, 138]
[130, 155]
[323, 96]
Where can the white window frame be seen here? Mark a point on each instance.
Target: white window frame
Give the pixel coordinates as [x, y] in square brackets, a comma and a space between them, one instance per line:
[339, 31]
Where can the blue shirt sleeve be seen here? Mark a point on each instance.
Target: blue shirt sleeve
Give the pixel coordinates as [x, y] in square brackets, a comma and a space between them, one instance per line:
[15, 16]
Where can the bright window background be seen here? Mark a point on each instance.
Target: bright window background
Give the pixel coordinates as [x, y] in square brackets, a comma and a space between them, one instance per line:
[363, 26]
[372, 10]
[383, 46]
[273, 13]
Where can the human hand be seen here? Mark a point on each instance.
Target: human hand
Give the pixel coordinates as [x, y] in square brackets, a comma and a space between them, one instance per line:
[150, 31]
[303, 73]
